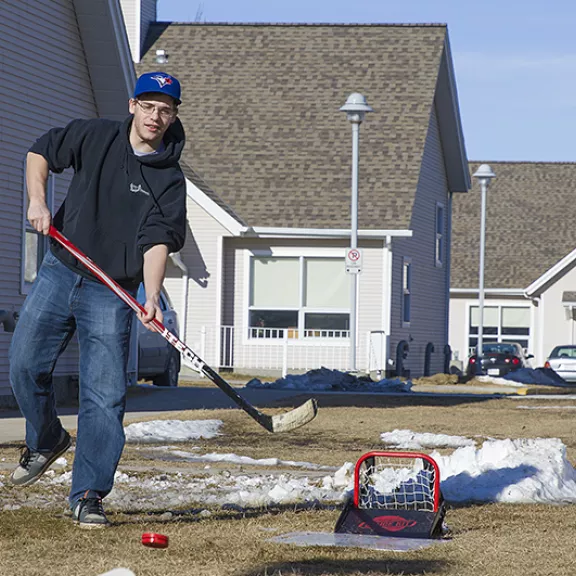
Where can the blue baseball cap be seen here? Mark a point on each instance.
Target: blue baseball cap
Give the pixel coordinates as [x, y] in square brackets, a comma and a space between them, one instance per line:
[158, 82]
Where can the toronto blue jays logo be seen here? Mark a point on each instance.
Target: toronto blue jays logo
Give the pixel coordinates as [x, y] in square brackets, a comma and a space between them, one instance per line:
[162, 80]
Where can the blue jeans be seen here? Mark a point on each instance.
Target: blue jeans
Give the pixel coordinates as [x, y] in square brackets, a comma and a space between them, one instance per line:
[60, 303]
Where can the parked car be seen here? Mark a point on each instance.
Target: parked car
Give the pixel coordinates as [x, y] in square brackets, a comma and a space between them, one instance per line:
[158, 360]
[562, 360]
[498, 359]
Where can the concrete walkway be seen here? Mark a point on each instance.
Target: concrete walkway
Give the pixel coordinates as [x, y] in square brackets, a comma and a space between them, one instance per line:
[145, 401]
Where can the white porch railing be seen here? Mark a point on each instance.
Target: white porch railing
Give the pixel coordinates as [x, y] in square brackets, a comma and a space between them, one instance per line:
[285, 350]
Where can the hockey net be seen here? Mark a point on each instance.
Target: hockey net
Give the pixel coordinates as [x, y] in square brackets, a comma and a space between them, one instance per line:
[397, 481]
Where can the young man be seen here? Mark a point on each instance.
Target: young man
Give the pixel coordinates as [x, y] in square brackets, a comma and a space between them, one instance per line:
[126, 209]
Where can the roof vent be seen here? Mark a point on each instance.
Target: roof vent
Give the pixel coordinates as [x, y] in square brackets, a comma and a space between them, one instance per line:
[161, 57]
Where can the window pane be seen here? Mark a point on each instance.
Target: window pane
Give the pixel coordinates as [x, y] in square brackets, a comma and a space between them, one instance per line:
[485, 330]
[439, 219]
[515, 318]
[327, 322]
[274, 318]
[516, 331]
[473, 342]
[327, 284]
[32, 255]
[490, 316]
[275, 282]
[406, 308]
[406, 283]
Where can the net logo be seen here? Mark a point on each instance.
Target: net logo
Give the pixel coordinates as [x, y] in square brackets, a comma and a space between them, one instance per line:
[390, 523]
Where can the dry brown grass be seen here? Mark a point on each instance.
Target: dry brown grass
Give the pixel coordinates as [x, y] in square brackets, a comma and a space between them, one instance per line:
[487, 540]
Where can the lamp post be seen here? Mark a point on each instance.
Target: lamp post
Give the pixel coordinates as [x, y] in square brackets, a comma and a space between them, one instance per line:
[484, 175]
[355, 108]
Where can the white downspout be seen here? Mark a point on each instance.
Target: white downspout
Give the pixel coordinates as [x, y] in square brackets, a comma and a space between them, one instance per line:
[177, 260]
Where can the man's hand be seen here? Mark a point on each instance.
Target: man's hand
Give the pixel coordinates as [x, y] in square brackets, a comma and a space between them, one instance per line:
[153, 311]
[39, 216]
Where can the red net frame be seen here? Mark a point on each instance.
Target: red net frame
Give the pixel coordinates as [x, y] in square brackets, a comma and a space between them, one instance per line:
[413, 482]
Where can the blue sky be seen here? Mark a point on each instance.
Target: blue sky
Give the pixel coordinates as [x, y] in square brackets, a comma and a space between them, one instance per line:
[515, 61]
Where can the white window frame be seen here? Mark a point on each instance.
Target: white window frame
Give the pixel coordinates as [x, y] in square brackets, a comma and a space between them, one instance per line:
[500, 304]
[407, 273]
[439, 235]
[26, 227]
[301, 254]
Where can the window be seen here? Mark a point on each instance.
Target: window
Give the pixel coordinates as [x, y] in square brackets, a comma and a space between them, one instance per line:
[35, 245]
[298, 297]
[406, 291]
[501, 324]
[439, 244]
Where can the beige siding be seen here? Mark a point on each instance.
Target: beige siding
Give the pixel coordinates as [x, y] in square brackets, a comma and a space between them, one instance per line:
[458, 333]
[42, 55]
[131, 13]
[555, 327]
[370, 295]
[138, 14]
[429, 286]
[200, 256]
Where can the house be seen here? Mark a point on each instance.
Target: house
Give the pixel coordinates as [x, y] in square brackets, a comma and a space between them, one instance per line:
[530, 258]
[61, 59]
[268, 161]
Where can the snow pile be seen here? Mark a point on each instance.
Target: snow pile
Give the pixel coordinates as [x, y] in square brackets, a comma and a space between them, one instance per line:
[515, 471]
[527, 376]
[409, 440]
[541, 376]
[245, 460]
[324, 379]
[172, 430]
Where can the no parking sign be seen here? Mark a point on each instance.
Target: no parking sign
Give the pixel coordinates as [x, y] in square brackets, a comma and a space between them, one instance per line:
[353, 260]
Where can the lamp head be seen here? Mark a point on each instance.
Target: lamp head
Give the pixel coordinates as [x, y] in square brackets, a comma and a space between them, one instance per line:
[356, 107]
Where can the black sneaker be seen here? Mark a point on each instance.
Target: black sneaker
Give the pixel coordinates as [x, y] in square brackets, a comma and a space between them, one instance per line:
[89, 513]
[34, 464]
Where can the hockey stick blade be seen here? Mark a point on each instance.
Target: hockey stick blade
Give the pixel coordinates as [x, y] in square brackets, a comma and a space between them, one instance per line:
[285, 422]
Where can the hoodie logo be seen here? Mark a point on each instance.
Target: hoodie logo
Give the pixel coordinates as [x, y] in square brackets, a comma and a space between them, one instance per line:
[136, 189]
[162, 80]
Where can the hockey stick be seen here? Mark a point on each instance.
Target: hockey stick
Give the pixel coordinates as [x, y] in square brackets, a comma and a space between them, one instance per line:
[277, 423]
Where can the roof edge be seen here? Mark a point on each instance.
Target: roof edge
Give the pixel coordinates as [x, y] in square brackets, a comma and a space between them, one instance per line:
[550, 274]
[310, 24]
[450, 124]
[218, 213]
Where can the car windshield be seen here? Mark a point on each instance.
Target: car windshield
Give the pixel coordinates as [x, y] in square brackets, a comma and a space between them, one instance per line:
[564, 352]
[499, 348]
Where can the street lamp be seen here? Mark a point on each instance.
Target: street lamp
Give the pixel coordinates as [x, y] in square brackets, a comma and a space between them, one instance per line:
[484, 175]
[355, 108]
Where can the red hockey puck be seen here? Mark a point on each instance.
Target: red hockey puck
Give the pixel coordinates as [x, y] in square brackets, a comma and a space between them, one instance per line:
[154, 540]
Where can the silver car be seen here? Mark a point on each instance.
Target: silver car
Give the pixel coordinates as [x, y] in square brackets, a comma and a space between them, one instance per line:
[563, 361]
[158, 360]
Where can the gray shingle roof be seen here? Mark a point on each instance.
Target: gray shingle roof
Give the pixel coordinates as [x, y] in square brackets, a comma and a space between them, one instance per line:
[261, 111]
[199, 183]
[568, 296]
[530, 215]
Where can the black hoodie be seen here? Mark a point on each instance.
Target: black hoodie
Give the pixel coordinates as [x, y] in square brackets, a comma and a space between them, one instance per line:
[118, 204]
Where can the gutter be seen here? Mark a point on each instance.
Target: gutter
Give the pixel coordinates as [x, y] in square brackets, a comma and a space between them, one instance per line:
[272, 232]
[493, 291]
